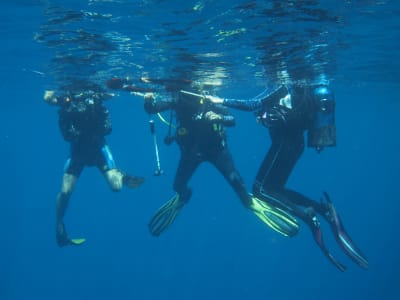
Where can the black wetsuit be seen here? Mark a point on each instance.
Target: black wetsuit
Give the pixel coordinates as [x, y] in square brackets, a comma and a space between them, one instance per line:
[200, 140]
[84, 125]
[287, 120]
[289, 114]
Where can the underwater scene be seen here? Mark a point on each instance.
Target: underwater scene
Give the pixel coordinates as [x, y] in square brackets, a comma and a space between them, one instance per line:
[165, 149]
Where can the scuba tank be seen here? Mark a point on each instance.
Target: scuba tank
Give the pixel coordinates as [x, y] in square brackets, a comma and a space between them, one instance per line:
[323, 129]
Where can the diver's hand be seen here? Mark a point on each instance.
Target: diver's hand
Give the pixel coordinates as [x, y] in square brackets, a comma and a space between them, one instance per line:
[212, 116]
[274, 117]
[214, 99]
[49, 97]
[148, 97]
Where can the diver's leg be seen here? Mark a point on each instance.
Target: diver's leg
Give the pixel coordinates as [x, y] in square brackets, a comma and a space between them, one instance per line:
[285, 150]
[301, 200]
[187, 165]
[223, 161]
[283, 200]
[106, 164]
[115, 177]
[72, 170]
[278, 220]
[168, 212]
[68, 184]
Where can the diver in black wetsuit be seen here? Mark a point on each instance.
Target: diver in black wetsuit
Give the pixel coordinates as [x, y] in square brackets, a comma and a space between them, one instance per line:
[200, 134]
[289, 113]
[84, 122]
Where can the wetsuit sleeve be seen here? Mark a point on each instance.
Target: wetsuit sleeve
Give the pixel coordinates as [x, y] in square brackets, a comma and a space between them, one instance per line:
[259, 101]
[246, 105]
[152, 106]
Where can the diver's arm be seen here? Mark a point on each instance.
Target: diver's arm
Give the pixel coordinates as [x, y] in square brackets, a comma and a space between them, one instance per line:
[221, 115]
[104, 96]
[216, 118]
[253, 103]
[247, 105]
[152, 106]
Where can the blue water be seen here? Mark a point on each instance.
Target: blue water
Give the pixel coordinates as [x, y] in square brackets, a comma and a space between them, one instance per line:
[215, 249]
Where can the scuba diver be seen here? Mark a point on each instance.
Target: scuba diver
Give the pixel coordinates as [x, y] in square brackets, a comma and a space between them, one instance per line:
[84, 122]
[200, 135]
[289, 112]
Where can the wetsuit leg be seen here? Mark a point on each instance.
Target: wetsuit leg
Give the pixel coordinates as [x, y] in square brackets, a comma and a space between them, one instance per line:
[223, 161]
[72, 170]
[272, 177]
[285, 150]
[300, 199]
[105, 160]
[187, 165]
[168, 212]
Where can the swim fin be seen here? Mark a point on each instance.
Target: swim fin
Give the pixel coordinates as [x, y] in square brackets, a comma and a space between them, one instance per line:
[276, 218]
[132, 181]
[165, 215]
[341, 235]
[77, 242]
[63, 240]
[315, 227]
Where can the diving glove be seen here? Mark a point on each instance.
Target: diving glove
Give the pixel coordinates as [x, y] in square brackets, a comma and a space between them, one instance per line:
[166, 215]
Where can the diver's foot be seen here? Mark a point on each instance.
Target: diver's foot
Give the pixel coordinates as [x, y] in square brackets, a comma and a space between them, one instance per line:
[315, 227]
[331, 214]
[132, 181]
[257, 190]
[310, 211]
[62, 237]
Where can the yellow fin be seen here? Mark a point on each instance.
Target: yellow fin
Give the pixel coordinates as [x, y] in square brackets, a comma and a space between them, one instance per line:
[274, 217]
[77, 241]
